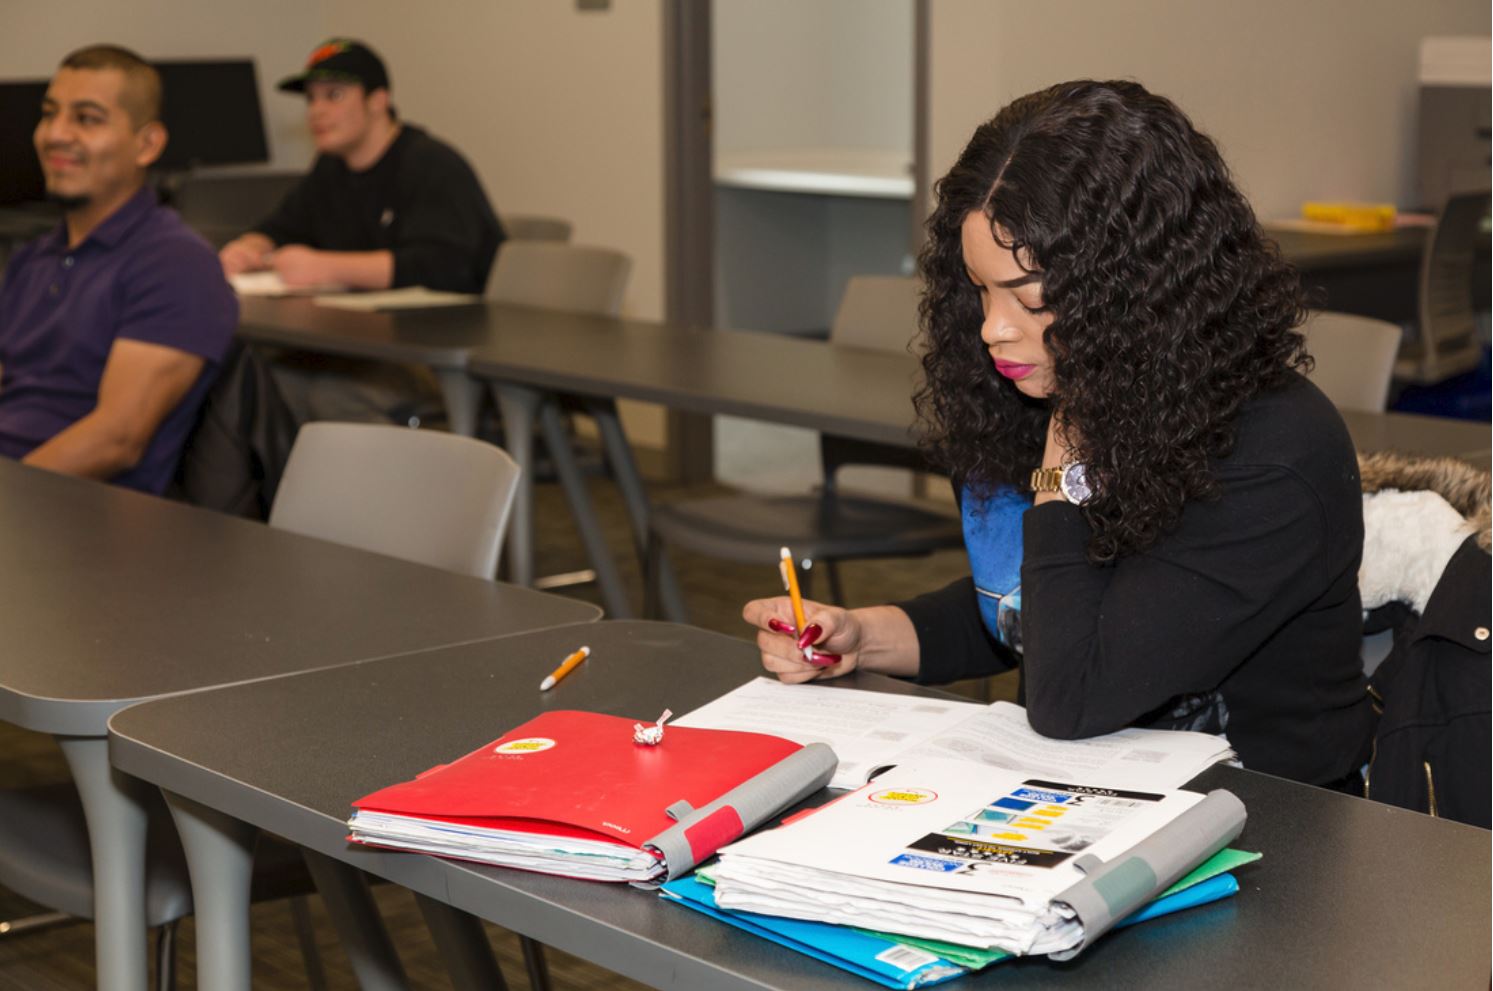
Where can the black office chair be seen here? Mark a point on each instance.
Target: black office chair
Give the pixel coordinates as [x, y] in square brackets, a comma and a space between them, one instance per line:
[830, 525]
[1445, 342]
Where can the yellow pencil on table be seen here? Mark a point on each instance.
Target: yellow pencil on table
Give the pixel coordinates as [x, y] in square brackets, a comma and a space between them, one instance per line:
[790, 582]
[566, 666]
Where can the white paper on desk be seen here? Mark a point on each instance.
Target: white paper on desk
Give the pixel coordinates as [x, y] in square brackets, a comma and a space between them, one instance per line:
[870, 730]
[945, 850]
[408, 298]
[865, 729]
[270, 284]
[1000, 736]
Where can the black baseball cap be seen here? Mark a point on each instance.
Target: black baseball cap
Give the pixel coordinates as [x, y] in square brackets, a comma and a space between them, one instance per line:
[340, 60]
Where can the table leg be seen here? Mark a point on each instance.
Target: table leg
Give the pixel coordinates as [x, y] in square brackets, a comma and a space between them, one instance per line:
[519, 406]
[114, 805]
[463, 397]
[635, 496]
[354, 914]
[613, 592]
[220, 859]
[463, 944]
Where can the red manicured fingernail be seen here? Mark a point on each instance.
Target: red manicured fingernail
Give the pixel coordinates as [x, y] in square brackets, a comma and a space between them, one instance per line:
[810, 635]
[820, 660]
[778, 626]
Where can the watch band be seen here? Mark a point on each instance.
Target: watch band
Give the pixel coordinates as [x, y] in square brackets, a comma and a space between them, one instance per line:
[1047, 479]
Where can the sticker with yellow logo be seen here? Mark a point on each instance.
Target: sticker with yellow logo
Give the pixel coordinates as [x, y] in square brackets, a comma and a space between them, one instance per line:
[903, 796]
[528, 745]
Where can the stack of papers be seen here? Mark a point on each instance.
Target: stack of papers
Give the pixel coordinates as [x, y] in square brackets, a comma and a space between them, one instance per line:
[984, 858]
[408, 298]
[907, 962]
[270, 284]
[872, 730]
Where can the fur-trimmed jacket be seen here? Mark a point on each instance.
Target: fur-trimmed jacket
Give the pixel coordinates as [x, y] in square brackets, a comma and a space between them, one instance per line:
[1426, 574]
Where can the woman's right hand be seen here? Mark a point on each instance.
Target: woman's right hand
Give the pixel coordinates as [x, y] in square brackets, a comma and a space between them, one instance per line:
[839, 633]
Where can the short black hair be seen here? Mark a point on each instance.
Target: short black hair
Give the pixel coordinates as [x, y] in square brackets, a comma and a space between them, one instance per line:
[141, 98]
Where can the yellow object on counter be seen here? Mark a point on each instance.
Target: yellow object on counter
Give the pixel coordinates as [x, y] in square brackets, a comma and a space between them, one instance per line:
[1354, 216]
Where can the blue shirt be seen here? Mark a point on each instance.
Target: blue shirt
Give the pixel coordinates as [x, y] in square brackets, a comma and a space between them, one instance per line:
[141, 275]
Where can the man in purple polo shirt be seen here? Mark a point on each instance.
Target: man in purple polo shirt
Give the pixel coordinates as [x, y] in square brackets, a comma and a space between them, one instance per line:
[112, 325]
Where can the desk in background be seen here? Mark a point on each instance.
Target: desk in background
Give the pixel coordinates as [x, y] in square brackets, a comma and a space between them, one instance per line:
[110, 596]
[1350, 893]
[530, 356]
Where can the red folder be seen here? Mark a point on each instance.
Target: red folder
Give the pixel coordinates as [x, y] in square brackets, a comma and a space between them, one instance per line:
[581, 775]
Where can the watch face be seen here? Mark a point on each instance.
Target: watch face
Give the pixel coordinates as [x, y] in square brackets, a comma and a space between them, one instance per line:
[1075, 484]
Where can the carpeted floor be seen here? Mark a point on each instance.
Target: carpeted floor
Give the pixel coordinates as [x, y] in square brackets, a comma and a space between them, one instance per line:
[61, 959]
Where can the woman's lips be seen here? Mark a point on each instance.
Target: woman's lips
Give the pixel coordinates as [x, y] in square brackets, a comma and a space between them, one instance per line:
[1013, 370]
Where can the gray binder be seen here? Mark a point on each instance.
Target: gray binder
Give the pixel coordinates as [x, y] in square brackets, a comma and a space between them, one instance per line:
[1114, 888]
[699, 833]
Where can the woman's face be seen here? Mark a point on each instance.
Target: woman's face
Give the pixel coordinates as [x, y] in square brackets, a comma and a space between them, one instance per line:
[1011, 298]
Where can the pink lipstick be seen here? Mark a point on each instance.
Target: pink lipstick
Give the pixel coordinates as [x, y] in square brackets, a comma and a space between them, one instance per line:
[1013, 370]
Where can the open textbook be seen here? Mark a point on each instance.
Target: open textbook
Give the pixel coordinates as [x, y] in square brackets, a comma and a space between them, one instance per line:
[994, 859]
[872, 730]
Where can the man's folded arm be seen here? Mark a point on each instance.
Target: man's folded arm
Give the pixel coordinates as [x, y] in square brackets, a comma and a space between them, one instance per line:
[142, 383]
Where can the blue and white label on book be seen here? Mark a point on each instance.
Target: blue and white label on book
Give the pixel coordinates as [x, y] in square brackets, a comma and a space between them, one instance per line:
[936, 864]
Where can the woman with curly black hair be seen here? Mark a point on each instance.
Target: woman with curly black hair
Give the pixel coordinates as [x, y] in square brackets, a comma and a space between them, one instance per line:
[1162, 515]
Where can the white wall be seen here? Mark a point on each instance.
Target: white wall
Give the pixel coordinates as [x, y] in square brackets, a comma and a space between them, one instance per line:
[1309, 100]
[820, 74]
[278, 34]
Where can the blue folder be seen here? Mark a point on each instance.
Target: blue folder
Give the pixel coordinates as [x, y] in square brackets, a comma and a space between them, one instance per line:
[885, 961]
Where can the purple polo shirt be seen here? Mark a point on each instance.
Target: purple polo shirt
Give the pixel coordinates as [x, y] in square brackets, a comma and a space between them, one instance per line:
[143, 275]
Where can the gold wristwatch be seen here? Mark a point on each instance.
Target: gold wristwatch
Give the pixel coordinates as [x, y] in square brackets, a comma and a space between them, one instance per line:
[1071, 481]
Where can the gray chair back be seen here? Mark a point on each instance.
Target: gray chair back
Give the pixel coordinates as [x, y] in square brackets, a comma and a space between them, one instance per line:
[551, 276]
[1355, 358]
[419, 495]
[877, 311]
[528, 227]
[1446, 343]
[220, 208]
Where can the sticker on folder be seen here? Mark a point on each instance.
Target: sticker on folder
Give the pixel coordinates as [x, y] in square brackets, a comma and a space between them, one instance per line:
[528, 745]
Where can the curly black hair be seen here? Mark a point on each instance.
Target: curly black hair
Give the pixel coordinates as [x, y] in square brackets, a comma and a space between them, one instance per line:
[1171, 308]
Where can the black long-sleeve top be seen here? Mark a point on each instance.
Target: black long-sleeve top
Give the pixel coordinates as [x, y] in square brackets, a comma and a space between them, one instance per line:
[421, 201]
[1252, 601]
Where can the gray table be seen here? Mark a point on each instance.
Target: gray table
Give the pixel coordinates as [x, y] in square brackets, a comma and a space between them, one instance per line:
[440, 338]
[1373, 275]
[1350, 893]
[531, 356]
[852, 392]
[109, 597]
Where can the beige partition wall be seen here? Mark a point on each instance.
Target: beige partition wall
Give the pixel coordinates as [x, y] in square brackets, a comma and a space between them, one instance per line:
[559, 109]
[1308, 100]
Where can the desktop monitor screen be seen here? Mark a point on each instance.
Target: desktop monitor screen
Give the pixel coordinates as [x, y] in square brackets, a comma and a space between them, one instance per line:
[20, 173]
[212, 112]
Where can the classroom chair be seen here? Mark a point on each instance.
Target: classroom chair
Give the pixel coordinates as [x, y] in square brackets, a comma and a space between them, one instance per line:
[220, 208]
[418, 495]
[1445, 342]
[422, 496]
[528, 227]
[549, 275]
[829, 525]
[1354, 358]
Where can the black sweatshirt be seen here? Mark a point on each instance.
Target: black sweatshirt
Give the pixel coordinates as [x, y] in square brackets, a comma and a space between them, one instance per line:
[421, 201]
[1252, 601]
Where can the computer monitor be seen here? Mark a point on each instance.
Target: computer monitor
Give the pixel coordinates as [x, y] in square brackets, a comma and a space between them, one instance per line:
[20, 173]
[213, 114]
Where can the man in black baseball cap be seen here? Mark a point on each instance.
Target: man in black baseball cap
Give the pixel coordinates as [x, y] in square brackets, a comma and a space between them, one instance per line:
[386, 205]
[340, 60]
